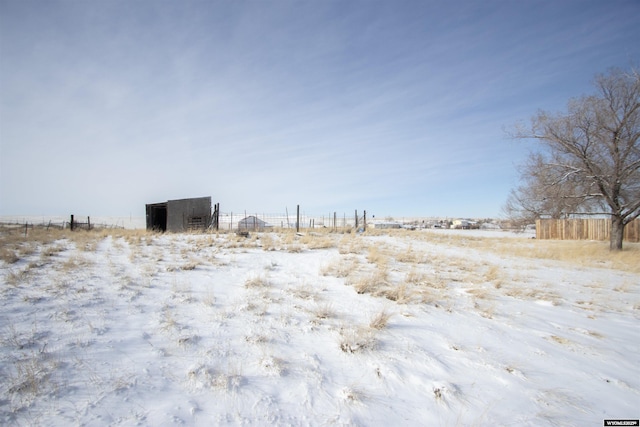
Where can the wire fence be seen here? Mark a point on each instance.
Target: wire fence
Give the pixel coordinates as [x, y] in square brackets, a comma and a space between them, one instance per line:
[356, 219]
[72, 223]
[295, 219]
[276, 221]
[226, 221]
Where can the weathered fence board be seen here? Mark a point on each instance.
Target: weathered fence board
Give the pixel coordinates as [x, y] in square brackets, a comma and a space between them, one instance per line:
[583, 229]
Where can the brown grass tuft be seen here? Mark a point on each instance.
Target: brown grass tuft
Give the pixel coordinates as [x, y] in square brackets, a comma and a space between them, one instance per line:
[380, 320]
[357, 340]
[258, 281]
[9, 256]
[371, 283]
[400, 293]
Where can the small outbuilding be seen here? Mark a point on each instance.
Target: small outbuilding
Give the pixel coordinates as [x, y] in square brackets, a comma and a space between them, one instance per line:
[180, 215]
[253, 223]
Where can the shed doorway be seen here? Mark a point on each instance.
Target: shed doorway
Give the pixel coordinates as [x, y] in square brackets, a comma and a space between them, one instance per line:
[157, 217]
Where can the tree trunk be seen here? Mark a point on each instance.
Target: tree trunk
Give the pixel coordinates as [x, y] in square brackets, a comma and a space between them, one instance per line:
[617, 232]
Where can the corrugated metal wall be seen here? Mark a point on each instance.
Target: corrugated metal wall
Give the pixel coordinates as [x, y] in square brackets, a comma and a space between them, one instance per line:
[188, 214]
[180, 215]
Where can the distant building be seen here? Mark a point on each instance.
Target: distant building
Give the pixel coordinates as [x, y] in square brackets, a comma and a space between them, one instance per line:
[387, 225]
[464, 224]
[179, 215]
[253, 223]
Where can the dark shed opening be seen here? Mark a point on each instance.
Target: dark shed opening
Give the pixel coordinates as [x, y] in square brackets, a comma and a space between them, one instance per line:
[157, 217]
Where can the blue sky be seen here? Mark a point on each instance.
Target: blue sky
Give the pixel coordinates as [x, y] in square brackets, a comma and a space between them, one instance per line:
[396, 107]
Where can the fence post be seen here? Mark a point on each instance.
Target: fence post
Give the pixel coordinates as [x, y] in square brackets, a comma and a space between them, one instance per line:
[364, 221]
[217, 214]
[286, 209]
[71, 223]
[26, 228]
[356, 219]
[298, 219]
[88, 223]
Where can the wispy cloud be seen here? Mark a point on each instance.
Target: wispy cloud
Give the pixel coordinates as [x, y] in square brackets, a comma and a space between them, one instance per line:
[267, 104]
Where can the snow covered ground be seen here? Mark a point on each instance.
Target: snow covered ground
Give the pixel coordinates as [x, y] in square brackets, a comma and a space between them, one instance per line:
[407, 328]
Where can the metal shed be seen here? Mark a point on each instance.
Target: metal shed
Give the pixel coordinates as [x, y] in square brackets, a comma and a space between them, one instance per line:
[253, 223]
[179, 215]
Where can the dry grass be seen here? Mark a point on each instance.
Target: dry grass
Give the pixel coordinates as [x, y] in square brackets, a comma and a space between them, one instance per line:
[295, 248]
[429, 296]
[181, 291]
[411, 256]
[377, 256]
[493, 274]
[288, 237]
[31, 377]
[51, 242]
[380, 320]
[86, 240]
[350, 244]
[560, 340]
[168, 322]
[324, 311]
[624, 287]
[415, 277]
[480, 293]
[269, 242]
[11, 236]
[257, 281]
[305, 292]
[341, 267]
[436, 282]
[190, 265]
[53, 250]
[273, 366]
[9, 255]
[291, 242]
[526, 292]
[372, 282]
[400, 294]
[357, 340]
[316, 240]
[486, 310]
[579, 252]
[351, 395]
[75, 263]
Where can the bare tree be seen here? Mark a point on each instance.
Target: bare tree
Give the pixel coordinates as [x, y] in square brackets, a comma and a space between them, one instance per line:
[590, 158]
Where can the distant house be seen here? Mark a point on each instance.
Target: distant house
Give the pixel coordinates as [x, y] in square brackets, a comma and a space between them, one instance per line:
[179, 215]
[387, 225]
[464, 224]
[253, 223]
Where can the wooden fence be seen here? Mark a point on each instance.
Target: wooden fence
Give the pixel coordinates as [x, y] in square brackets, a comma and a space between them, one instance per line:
[583, 229]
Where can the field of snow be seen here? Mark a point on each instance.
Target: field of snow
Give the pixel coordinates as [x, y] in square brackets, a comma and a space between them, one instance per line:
[407, 328]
